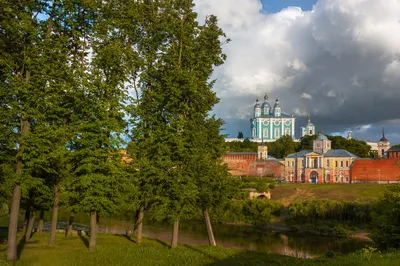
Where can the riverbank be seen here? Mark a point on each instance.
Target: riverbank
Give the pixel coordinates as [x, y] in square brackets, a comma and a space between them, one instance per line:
[287, 194]
[121, 250]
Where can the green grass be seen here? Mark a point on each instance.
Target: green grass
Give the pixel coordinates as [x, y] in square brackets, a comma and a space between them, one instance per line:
[118, 250]
[291, 193]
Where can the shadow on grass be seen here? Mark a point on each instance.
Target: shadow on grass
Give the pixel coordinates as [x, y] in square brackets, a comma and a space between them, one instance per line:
[162, 243]
[200, 251]
[247, 258]
[84, 239]
[127, 237]
[21, 245]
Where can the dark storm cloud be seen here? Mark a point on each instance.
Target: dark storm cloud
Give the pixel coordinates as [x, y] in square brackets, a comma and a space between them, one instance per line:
[338, 62]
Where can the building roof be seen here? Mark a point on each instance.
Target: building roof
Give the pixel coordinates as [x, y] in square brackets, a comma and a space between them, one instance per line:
[298, 154]
[339, 153]
[330, 153]
[241, 153]
[393, 149]
[272, 116]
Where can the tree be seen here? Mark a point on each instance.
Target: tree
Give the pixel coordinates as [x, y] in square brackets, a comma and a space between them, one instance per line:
[385, 219]
[282, 147]
[175, 97]
[240, 135]
[24, 83]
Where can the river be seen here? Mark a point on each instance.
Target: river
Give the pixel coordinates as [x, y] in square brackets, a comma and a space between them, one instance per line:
[302, 245]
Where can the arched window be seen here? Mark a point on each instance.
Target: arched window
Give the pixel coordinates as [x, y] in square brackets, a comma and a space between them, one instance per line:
[383, 152]
[254, 132]
[277, 133]
[328, 178]
[265, 133]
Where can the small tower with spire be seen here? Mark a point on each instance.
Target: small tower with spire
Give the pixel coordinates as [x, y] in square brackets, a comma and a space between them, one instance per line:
[308, 129]
[383, 144]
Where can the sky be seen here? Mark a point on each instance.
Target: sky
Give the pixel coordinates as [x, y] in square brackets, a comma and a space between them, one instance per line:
[335, 60]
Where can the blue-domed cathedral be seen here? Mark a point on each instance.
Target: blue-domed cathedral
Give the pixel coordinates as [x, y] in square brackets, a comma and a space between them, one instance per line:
[269, 124]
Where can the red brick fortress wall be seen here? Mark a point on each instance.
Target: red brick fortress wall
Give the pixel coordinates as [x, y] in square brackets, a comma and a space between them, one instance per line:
[375, 170]
[248, 165]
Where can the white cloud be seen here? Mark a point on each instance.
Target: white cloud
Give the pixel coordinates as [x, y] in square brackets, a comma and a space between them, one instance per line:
[306, 96]
[351, 47]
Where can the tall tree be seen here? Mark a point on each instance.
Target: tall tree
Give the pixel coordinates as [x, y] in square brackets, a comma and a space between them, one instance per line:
[178, 59]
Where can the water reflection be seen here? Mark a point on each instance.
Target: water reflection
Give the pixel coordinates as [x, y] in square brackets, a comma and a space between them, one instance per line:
[194, 233]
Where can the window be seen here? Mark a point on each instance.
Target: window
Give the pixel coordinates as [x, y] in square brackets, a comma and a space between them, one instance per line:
[341, 163]
[287, 131]
[347, 179]
[328, 178]
[277, 133]
[254, 132]
[311, 132]
[336, 164]
[336, 178]
[292, 163]
[327, 163]
[288, 164]
[265, 133]
[347, 163]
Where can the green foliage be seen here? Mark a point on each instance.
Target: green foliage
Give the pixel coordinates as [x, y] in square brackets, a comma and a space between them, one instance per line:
[177, 145]
[240, 135]
[386, 219]
[343, 211]
[259, 211]
[261, 186]
[366, 252]
[241, 146]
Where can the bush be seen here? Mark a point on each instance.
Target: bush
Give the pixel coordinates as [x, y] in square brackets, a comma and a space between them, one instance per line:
[386, 219]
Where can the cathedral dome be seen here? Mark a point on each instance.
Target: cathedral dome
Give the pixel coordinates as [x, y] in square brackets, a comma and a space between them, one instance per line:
[321, 136]
[265, 104]
[257, 104]
[277, 103]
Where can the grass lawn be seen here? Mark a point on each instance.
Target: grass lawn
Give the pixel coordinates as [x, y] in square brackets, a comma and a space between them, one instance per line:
[291, 193]
[119, 250]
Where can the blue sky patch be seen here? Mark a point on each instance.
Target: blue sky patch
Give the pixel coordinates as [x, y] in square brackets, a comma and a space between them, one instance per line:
[273, 6]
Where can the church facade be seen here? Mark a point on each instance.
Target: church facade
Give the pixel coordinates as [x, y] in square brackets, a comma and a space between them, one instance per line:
[269, 123]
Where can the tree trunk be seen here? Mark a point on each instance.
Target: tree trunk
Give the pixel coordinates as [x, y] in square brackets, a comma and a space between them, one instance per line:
[70, 222]
[13, 224]
[210, 233]
[26, 220]
[93, 230]
[54, 218]
[41, 222]
[175, 230]
[29, 228]
[139, 227]
[16, 197]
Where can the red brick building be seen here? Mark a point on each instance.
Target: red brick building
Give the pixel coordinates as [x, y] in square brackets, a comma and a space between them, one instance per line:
[253, 163]
[393, 153]
[376, 170]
